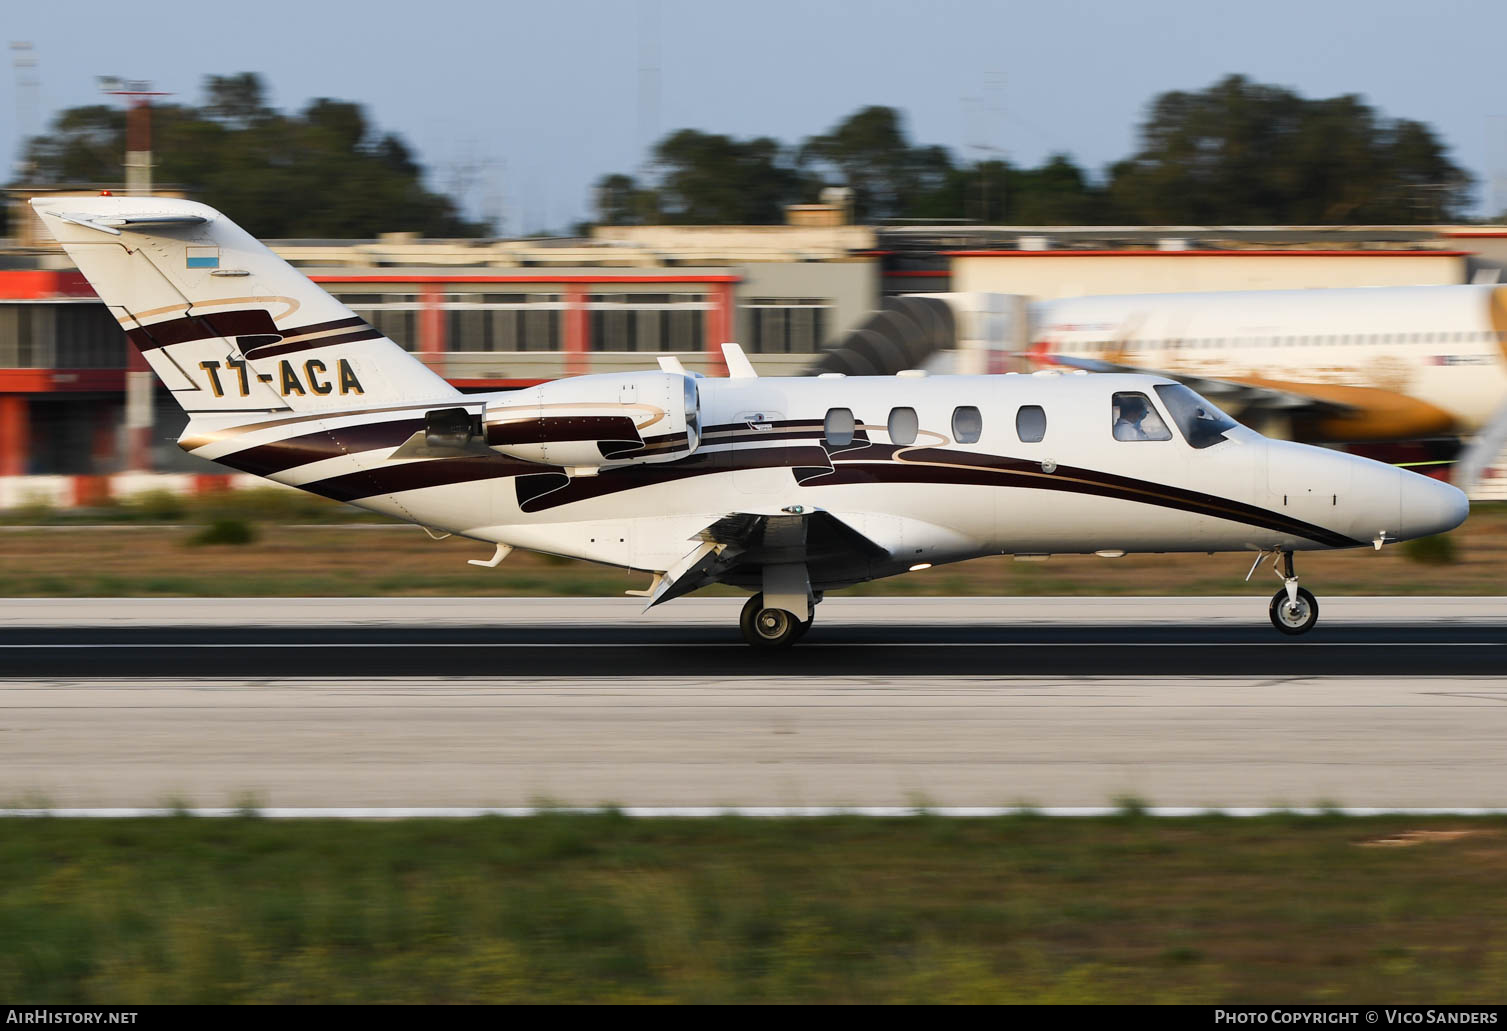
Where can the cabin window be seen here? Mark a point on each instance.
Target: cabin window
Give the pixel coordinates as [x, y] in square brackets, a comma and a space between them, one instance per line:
[1031, 424]
[839, 426]
[967, 424]
[903, 425]
[1133, 417]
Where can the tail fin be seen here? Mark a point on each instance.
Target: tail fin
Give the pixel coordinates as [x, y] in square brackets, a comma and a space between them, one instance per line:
[224, 322]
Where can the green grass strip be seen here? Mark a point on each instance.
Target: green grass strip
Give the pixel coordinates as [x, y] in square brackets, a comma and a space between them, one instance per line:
[598, 907]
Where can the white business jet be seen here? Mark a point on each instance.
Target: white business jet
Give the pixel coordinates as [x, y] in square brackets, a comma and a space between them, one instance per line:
[787, 487]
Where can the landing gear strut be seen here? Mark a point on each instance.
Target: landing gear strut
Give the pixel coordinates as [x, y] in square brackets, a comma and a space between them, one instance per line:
[771, 629]
[1294, 610]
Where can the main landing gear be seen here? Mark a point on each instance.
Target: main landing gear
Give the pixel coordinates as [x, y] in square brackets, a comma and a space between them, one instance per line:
[1294, 610]
[771, 629]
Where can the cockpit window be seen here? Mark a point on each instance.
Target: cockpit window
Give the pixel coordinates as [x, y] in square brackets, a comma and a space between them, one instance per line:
[1200, 422]
[1134, 418]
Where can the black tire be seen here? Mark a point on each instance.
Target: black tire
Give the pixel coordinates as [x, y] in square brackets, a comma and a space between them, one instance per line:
[768, 629]
[800, 630]
[1299, 621]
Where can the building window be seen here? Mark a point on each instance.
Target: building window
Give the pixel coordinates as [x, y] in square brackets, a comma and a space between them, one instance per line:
[903, 425]
[1031, 424]
[967, 424]
[87, 337]
[787, 325]
[647, 321]
[486, 322]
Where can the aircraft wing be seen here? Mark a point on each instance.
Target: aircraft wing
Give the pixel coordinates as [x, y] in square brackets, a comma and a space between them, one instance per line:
[761, 539]
[1246, 396]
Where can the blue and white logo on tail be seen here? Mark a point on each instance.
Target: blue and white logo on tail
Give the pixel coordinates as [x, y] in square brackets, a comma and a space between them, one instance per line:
[203, 257]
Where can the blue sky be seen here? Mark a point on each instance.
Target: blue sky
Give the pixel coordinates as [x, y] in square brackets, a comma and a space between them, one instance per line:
[531, 102]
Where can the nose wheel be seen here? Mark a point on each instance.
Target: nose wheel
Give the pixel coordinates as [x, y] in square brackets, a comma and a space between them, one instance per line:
[1294, 610]
[771, 629]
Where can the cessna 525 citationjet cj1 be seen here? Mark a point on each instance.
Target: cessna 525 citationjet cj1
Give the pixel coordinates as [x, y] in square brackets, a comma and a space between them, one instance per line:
[788, 488]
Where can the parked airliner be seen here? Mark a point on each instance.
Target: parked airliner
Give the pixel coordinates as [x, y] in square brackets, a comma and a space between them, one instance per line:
[1347, 365]
[787, 487]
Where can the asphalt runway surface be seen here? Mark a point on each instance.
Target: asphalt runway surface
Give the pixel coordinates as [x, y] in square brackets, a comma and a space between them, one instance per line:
[950, 702]
[845, 650]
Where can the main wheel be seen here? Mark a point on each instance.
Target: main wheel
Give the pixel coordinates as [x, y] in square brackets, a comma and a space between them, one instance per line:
[768, 628]
[1294, 619]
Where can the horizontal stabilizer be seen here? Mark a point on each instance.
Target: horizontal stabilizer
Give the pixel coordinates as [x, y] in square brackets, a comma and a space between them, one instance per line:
[114, 223]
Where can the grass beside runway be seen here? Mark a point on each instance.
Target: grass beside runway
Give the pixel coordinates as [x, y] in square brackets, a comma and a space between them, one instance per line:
[152, 560]
[572, 907]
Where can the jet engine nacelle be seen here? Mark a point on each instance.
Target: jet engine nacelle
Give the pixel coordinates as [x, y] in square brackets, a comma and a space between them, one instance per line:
[587, 422]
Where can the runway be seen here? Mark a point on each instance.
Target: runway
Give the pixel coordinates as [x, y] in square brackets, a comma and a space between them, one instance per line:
[852, 637]
[952, 702]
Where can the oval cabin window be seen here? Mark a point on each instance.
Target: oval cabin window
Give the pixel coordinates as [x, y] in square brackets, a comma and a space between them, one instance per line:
[967, 424]
[1031, 424]
[903, 425]
[838, 428]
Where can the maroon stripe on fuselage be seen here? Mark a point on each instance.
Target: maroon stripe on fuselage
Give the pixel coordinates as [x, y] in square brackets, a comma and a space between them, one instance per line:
[279, 455]
[439, 472]
[583, 488]
[548, 488]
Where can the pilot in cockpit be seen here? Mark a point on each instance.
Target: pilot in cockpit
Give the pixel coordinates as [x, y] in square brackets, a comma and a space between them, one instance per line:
[1135, 421]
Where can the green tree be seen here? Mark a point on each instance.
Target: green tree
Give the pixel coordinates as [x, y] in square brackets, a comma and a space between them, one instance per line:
[621, 201]
[1241, 152]
[869, 153]
[709, 179]
[324, 172]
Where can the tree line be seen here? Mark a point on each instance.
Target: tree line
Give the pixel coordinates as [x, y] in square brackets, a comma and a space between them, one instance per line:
[323, 172]
[1237, 153]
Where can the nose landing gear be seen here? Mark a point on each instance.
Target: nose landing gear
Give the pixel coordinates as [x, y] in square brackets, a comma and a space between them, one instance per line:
[1294, 610]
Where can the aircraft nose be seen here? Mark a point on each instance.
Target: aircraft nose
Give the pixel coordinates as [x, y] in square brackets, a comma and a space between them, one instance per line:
[1430, 506]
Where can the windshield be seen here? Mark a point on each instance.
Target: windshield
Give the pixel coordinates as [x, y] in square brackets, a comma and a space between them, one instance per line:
[1201, 423]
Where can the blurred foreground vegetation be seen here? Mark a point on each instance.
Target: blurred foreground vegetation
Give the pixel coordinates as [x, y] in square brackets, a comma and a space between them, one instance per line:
[568, 907]
[270, 543]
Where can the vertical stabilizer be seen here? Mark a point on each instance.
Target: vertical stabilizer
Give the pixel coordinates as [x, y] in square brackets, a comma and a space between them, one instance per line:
[224, 322]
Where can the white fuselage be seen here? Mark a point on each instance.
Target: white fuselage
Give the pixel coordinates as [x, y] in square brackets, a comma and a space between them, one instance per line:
[763, 450]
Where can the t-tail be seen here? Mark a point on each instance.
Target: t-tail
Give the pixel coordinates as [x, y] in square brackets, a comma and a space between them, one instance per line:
[225, 323]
